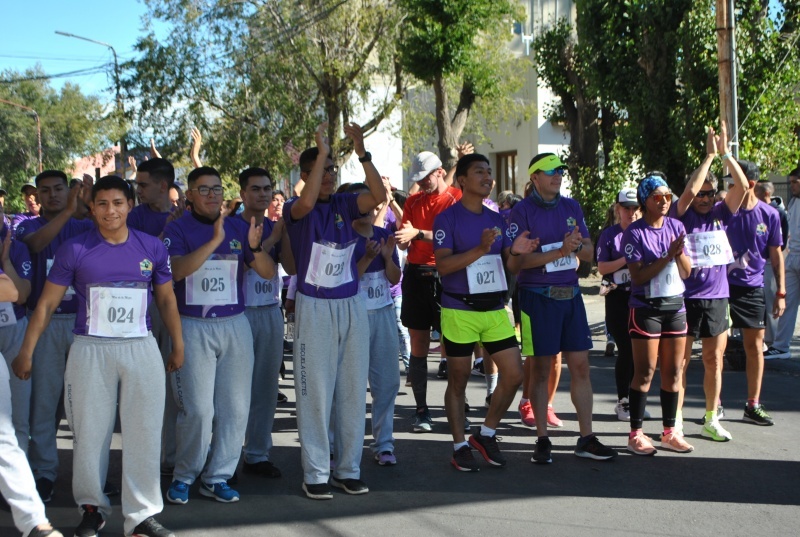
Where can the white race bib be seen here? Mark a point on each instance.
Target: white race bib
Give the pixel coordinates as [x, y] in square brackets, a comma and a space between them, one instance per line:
[261, 292]
[118, 312]
[375, 289]
[213, 284]
[564, 263]
[7, 317]
[70, 290]
[329, 266]
[668, 282]
[709, 248]
[486, 275]
[622, 277]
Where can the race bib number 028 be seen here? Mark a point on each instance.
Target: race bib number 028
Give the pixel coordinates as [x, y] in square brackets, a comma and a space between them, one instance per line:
[709, 249]
[329, 266]
[564, 263]
[213, 284]
[486, 275]
[118, 312]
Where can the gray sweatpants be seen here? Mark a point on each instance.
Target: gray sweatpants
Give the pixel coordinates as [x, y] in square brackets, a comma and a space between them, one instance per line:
[331, 359]
[47, 383]
[99, 371]
[384, 375]
[16, 479]
[10, 342]
[266, 322]
[212, 390]
[164, 343]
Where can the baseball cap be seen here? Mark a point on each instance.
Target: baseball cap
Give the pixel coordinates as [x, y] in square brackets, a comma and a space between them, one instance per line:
[30, 184]
[3, 191]
[750, 171]
[627, 198]
[423, 164]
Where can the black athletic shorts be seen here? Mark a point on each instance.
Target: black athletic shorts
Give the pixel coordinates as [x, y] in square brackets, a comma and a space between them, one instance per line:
[647, 323]
[465, 349]
[422, 295]
[748, 307]
[706, 317]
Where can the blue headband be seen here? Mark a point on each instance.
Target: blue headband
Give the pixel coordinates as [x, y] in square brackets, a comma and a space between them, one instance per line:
[647, 186]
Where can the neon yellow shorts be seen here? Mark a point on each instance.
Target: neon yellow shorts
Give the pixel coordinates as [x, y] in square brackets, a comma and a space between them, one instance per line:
[461, 326]
[525, 332]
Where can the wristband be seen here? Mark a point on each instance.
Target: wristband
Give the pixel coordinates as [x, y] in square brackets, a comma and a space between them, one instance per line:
[256, 250]
[726, 156]
[780, 295]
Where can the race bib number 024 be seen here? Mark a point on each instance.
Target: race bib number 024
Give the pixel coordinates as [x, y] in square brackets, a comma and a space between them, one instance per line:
[118, 312]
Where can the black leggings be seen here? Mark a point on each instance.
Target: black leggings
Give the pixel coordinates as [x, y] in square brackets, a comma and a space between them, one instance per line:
[617, 312]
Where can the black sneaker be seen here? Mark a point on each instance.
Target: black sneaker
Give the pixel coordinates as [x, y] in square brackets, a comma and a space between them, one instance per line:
[594, 449]
[167, 470]
[350, 486]
[110, 489]
[318, 491]
[263, 469]
[442, 374]
[92, 522]
[464, 461]
[541, 455]
[478, 369]
[756, 414]
[150, 527]
[488, 448]
[45, 489]
[772, 354]
[282, 398]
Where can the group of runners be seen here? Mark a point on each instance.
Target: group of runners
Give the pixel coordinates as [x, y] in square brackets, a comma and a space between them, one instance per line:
[173, 316]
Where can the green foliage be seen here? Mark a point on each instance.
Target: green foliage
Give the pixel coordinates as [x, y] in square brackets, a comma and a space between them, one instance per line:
[72, 125]
[257, 76]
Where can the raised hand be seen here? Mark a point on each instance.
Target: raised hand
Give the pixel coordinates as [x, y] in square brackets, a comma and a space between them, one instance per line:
[355, 133]
[676, 246]
[722, 139]
[523, 244]
[322, 139]
[255, 232]
[387, 247]
[132, 163]
[373, 249]
[153, 151]
[197, 142]
[464, 148]
[711, 142]
[219, 225]
[572, 240]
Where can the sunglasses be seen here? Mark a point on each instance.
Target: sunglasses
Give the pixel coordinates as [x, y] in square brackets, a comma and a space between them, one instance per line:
[658, 198]
[706, 194]
[551, 173]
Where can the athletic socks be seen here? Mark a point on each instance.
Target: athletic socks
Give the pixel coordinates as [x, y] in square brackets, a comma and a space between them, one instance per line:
[418, 374]
[491, 383]
[458, 446]
[487, 432]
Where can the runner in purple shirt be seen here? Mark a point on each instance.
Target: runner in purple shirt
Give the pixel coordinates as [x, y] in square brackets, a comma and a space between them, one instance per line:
[470, 243]
[706, 295]
[31, 200]
[553, 313]
[114, 358]
[328, 309]
[43, 235]
[612, 266]
[209, 251]
[754, 233]
[653, 247]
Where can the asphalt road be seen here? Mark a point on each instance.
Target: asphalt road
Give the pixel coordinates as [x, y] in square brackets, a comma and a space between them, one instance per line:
[745, 487]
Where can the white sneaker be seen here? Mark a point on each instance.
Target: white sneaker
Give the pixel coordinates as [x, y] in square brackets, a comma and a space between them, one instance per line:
[715, 431]
[622, 409]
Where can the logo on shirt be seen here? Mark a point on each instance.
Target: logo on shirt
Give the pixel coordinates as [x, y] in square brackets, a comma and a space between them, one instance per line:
[167, 242]
[439, 236]
[499, 235]
[629, 250]
[338, 220]
[512, 231]
[26, 268]
[761, 229]
[146, 267]
[571, 223]
[236, 247]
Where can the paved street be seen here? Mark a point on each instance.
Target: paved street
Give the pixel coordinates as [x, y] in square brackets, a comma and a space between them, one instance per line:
[745, 487]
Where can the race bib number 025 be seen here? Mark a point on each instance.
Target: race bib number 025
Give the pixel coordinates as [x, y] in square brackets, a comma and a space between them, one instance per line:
[214, 283]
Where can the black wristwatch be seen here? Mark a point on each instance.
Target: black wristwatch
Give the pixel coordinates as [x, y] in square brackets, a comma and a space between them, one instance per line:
[366, 158]
[420, 235]
[578, 249]
[256, 250]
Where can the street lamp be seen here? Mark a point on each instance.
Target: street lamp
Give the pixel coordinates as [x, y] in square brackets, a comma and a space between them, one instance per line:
[120, 110]
[38, 127]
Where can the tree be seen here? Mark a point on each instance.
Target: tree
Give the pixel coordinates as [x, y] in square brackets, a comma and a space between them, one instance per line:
[256, 76]
[459, 48]
[72, 125]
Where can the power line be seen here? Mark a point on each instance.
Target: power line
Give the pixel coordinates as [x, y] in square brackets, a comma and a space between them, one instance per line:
[80, 72]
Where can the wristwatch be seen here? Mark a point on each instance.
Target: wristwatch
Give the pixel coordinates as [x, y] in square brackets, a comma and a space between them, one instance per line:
[420, 235]
[256, 250]
[366, 158]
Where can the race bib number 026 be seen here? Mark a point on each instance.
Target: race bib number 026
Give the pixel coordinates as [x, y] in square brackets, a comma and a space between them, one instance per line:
[564, 263]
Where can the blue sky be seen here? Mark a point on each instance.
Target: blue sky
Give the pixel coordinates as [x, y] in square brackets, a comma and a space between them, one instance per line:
[29, 37]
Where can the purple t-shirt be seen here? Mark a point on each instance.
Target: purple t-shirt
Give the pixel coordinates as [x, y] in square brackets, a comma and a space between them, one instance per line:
[146, 220]
[20, 218]
[751, 233]
[705, 282]
[329, 223]
[21, 259]
[458, 229]
[378, 263]
[640, 242]
[40, 261]
[187, 234]
[89, 259]
[609, 248]
[550, 226]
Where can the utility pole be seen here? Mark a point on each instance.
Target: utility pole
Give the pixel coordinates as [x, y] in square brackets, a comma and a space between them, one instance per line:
[38, 127]
[726, 49]
[123, 146]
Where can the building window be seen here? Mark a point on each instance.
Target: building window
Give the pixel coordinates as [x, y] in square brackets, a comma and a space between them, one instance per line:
[506, 171]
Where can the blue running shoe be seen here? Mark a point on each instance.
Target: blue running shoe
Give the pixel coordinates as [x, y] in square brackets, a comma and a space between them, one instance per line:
[178, 492]
[220, 492]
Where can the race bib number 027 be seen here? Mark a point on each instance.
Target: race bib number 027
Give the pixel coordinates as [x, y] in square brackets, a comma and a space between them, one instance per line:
[486, 275]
